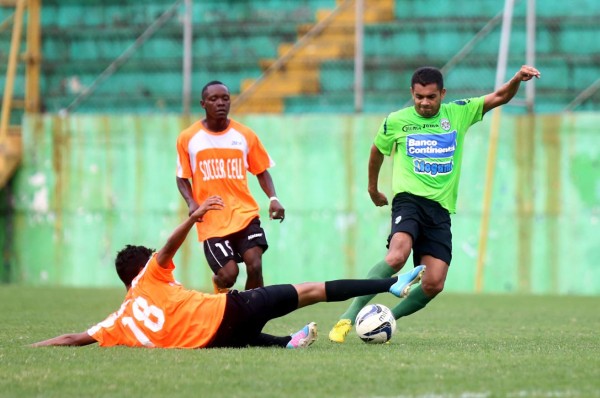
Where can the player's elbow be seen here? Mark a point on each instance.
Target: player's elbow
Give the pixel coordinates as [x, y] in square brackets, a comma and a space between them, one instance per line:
[493, 101]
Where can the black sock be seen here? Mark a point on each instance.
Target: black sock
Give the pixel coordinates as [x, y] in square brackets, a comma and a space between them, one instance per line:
[343, 289]
[268, 340]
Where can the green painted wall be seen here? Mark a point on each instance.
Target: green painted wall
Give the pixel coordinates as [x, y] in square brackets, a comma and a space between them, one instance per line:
[89, 185]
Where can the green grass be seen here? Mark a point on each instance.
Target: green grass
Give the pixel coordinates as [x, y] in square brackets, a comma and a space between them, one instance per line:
[460, 346]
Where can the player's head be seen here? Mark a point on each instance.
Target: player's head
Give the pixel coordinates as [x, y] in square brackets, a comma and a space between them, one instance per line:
[427, 89]
[215, 100]
[209, 84]
[130, 261]
[427, 75]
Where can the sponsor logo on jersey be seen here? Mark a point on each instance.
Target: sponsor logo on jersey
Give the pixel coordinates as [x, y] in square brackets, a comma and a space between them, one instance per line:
[220, 169]
[462, 102]
[433, 169]
[254, 236]
[411, 127]
[431, 146]
[419, 127]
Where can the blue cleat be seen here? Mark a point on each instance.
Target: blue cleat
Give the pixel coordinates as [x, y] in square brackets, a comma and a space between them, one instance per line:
[405, 281]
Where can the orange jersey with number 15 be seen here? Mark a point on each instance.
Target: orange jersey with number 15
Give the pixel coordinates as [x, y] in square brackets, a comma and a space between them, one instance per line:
[217, 163]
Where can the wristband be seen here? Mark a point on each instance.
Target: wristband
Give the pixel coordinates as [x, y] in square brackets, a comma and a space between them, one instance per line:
[272, 198]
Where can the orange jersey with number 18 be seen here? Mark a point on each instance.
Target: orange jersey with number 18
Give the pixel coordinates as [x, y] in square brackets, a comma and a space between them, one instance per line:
[159, 312]
[217, 163]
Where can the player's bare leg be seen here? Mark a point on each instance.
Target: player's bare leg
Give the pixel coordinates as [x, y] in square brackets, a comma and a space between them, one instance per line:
[253, 260]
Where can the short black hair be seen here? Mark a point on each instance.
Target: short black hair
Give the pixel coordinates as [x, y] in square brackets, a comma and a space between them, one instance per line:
[427, 75]
[212, 83]
[130, 261]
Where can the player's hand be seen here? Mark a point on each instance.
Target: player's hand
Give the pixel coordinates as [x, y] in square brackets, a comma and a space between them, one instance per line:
[276, 211]
[211, 203]
[527, 73]
[378, 198]
[192, 208]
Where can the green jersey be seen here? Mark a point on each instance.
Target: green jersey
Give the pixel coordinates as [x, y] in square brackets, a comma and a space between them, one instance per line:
[429, 150]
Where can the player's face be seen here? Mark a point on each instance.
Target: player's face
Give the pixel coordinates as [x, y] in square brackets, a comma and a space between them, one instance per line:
[427, 99]
[216, 102]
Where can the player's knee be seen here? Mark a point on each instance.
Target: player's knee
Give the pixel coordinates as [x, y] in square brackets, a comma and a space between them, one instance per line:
[227, 278]
[227, 282]
[396, 260]
[432, 287]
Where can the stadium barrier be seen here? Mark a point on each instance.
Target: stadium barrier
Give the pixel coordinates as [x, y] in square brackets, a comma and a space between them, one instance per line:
[90, 184]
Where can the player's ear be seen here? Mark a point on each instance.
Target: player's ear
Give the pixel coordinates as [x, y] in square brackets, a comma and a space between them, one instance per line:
[443, 93]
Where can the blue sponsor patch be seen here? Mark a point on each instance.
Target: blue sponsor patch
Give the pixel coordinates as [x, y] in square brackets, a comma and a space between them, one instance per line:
[431, 146]
[433, 169]
[462, 102]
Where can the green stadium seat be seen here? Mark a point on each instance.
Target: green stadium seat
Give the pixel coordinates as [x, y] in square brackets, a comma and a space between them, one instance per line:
[80, 39]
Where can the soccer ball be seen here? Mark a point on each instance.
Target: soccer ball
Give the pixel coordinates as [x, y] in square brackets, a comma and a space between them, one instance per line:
[375, 324]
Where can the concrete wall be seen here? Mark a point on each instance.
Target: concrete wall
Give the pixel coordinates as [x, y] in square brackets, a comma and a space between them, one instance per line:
[89, 185]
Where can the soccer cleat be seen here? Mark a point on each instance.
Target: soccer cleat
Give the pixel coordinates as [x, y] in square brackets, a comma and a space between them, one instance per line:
[218, 289]
[303, 337]
[340, 330]
[405, 281]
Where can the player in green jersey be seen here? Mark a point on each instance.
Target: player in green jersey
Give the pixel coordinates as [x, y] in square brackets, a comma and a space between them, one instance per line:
[428, 139]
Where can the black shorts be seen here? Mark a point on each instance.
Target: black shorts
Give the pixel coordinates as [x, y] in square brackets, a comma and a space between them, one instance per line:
[427, 222]
[247, 312]
[219, 251]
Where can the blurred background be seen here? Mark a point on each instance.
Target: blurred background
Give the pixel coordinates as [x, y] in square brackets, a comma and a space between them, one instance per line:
[96, 92]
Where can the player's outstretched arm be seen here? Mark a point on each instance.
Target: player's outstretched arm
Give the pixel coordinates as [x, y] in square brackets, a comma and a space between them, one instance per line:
[72, 339]
[167, 252]
[508, 90]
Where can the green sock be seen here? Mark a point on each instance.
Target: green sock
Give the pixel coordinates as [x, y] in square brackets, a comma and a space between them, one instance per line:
[380, 270]
[415, 301]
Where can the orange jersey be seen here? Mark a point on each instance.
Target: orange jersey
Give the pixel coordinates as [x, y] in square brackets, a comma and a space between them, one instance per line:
[159, 312]
[217, 164]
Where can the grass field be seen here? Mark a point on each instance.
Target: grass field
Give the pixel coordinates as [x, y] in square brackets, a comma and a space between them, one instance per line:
[460, 346]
